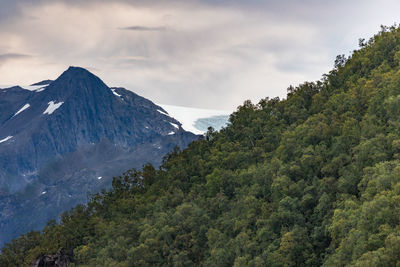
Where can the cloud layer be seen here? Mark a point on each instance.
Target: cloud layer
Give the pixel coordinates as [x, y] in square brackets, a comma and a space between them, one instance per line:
[212, 54]
[12, 56]
[143, 28]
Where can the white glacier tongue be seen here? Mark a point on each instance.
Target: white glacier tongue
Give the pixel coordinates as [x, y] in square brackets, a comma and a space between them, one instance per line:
[189, 116]
[52, 107]
[22, 109]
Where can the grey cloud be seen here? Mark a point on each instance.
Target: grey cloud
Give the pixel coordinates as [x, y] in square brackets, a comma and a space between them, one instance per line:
[185, 52]
[10, 56]
[7, 57]
[143, 28]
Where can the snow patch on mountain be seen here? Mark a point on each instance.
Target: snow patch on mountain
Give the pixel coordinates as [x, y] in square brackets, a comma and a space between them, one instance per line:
[52, 107]
[175, 125]
[6, 139]
[162, 112]
[40, 89]
[35, 88]
[22, 109]
[115, 93]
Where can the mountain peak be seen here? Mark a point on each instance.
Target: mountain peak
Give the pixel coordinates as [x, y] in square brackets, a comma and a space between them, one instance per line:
[77, 69]
[77, 72]
[77, 79]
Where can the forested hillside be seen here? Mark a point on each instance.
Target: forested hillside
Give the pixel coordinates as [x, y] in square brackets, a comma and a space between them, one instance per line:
[310, 180]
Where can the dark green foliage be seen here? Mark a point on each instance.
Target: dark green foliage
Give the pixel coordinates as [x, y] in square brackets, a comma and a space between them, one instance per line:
[307, 181]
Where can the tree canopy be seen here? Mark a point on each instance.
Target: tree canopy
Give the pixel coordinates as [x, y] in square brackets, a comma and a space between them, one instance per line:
[310, 180]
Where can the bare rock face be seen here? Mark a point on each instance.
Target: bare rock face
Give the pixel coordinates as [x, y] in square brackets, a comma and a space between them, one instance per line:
[60, 259]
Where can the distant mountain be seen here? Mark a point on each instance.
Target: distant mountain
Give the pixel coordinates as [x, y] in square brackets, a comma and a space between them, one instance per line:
[67, 139]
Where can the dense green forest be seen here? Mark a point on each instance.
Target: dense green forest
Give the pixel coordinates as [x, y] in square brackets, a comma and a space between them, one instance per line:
[310, 180]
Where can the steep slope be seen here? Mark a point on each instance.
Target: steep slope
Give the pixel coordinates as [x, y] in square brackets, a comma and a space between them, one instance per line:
[67, 139]
[312, 180]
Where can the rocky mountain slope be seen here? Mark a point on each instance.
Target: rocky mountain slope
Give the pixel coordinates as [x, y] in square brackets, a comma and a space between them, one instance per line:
[67, 139]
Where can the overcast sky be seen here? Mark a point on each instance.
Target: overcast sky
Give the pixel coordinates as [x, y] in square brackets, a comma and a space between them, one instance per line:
[209, 54]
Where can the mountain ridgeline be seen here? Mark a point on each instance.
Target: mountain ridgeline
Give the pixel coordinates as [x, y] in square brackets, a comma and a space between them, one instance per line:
[66, 140]
[311, 180]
